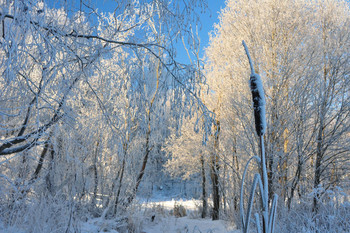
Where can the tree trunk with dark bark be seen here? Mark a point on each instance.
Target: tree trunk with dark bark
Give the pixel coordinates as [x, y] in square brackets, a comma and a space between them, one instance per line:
[204, 191]
[214, 174]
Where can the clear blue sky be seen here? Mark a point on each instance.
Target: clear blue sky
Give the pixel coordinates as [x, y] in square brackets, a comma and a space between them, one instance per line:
[207, 20]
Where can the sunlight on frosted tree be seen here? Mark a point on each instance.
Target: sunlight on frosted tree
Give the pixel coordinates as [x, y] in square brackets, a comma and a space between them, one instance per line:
[300, 49]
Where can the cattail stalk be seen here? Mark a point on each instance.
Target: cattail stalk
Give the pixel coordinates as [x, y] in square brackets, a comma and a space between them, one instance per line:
[268, 218]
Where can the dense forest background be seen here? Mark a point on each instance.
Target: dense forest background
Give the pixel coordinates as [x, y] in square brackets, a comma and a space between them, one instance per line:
[97, 114]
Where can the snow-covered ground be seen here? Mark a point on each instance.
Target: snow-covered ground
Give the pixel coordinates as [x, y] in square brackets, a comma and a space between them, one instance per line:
[169, 224]
[190, 205]
[186, 224]
[157, 217]
[190, 223]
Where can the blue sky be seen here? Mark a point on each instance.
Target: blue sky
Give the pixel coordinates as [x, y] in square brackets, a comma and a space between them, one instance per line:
[207, 19]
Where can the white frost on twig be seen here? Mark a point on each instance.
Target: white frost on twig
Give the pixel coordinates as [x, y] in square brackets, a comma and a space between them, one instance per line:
[249, 58]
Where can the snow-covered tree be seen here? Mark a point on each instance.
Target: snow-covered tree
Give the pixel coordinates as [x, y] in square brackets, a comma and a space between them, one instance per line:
[82, 97]
[300, 48]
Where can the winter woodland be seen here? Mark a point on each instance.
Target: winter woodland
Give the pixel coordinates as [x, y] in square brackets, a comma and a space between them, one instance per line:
[101, 125]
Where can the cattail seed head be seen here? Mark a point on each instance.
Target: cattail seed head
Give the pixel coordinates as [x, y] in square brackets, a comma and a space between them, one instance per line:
[258, 95]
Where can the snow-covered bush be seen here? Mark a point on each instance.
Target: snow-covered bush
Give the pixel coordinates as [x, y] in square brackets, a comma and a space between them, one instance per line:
[42, 214]
[179, 210]
[333, 215]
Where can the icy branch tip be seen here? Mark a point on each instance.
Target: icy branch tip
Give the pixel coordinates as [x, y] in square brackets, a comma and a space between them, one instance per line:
[249, 58]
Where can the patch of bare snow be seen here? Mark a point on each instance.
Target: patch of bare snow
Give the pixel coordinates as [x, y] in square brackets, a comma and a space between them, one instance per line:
[169, 205]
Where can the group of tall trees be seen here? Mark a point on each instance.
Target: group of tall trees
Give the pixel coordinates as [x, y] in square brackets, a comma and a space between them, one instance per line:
[89, 101]
[85, 100]
[301, 50]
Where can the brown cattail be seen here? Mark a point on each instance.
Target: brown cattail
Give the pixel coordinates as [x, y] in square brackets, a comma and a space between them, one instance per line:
[258, 97]
[258, 103]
